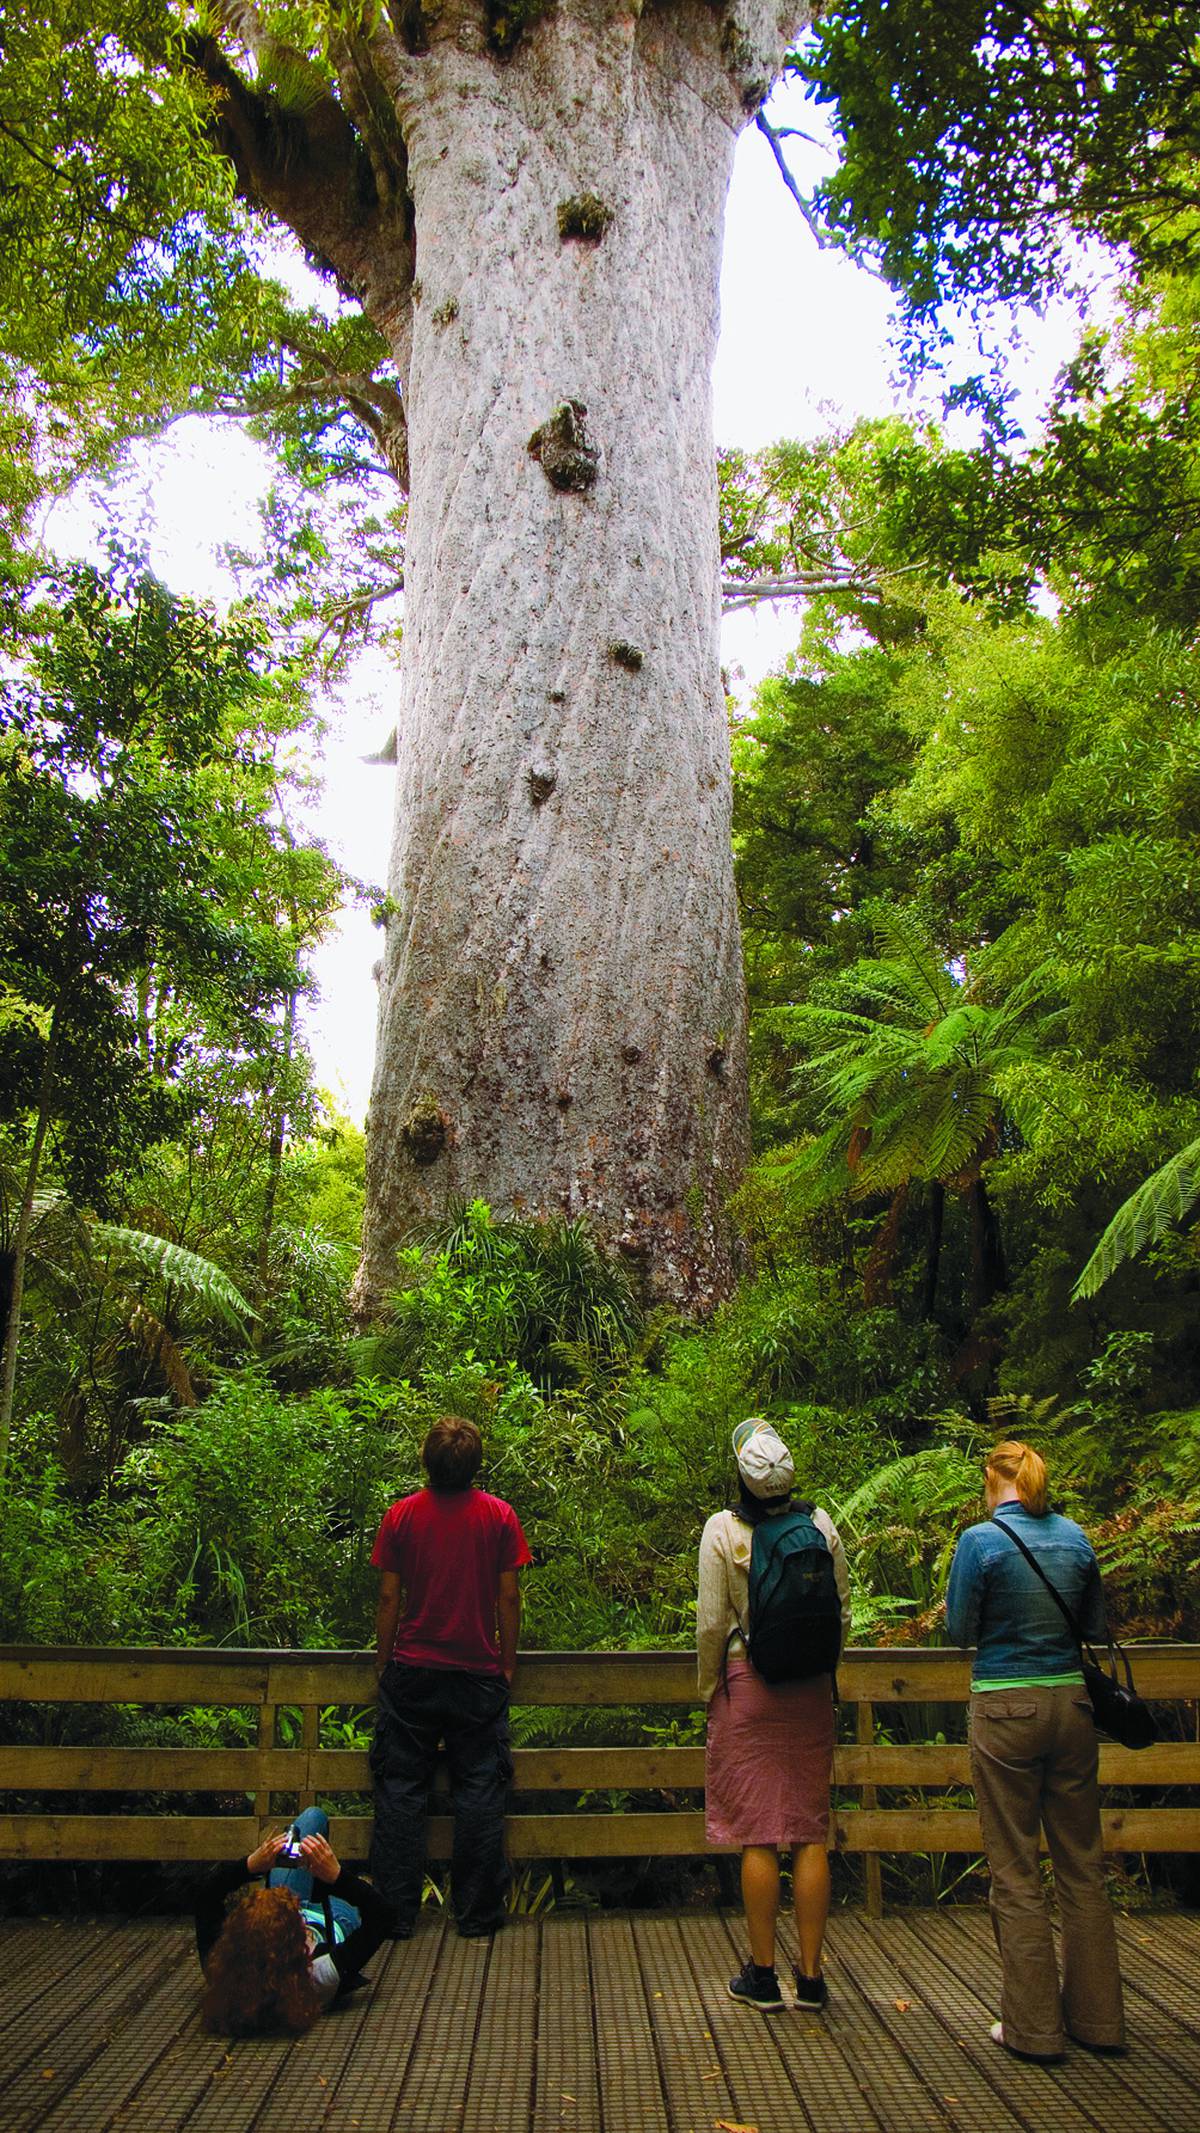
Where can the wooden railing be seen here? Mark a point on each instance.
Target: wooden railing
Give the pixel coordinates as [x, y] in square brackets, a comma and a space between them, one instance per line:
[273, 1780]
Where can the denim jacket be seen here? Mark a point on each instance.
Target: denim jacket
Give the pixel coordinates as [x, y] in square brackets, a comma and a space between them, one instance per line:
[997, 1602]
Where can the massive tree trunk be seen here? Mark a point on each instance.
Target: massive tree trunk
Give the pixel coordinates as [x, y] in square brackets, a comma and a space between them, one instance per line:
[562, 1011]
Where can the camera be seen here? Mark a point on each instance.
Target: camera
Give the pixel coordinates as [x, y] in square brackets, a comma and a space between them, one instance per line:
[289, 1853]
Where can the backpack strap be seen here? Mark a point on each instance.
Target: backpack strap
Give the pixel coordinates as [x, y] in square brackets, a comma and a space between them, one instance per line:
[320, 1895]
[740, 1511]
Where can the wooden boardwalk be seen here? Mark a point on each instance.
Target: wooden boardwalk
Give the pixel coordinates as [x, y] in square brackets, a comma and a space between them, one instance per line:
[593, 2023]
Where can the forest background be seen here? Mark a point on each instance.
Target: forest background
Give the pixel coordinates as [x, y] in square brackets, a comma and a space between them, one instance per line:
[966, 837]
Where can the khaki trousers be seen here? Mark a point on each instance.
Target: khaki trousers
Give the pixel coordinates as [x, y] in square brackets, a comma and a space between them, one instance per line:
[1033, 1760]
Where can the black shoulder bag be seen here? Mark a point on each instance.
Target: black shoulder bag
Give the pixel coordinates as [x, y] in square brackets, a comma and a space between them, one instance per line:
[1117, 1707]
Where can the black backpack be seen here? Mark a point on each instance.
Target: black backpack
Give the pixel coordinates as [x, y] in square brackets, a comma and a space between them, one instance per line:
[795, 1626]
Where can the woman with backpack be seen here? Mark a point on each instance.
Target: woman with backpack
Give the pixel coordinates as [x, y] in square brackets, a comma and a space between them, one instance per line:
[1014, 1580]
[772, 1616]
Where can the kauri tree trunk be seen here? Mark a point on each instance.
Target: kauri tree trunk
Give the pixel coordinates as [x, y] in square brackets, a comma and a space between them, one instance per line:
[562, 1009]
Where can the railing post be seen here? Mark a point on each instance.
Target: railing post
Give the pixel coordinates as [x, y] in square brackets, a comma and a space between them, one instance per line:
[310, 1738]
[266, 1740]
[870, 1798]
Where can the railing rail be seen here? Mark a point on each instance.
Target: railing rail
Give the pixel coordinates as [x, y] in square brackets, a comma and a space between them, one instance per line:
[258, 1780]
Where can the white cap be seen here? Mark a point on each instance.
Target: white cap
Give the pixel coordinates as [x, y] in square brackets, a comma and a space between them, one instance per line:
[764, 1461]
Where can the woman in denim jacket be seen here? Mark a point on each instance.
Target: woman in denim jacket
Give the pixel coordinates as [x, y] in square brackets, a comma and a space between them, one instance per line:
[1033, 1760]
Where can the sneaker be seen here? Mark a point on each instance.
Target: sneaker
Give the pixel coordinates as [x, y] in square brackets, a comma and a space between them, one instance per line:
[812, 1993]
[996, 2033]
[756, 1985]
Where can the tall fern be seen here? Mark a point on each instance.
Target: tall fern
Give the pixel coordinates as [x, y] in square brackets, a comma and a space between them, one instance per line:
[1166, 1196]
[184, 1270]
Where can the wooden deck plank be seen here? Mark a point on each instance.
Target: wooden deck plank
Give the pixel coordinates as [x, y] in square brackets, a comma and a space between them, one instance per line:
[567, 2090]
[59, 1998]
[811, 2061]
[41, 1954]
[588, 2024]
[307, 2082]
[630, 2082]
[500, 2085]
[1163, 1969]
[893, 2091]
[944, 1965]
[1140, 2093]
[700, 2083]
[108, 2086]
[400, 2003]
[433, 2092]
[47, 2051]
[174, 2082]
[966, 2095]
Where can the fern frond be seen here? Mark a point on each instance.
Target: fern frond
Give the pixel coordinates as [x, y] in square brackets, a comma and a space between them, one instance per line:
[964, 1119]
[172, 1263]
[935, 1480]
[1166, 1196]
[902, 940]
[1004, 1408]
[163, 1350]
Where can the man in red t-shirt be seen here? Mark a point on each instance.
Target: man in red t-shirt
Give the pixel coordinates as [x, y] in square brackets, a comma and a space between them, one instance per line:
[445, 1649]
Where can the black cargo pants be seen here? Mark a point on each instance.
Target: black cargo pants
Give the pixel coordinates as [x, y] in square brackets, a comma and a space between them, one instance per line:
[419, 1708]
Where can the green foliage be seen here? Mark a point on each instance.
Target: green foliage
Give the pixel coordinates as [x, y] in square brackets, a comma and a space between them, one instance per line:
[976, 141]
[175, 1267]
[911, 1079]
[525, 1291]
[131, 283]
[1165, 1197]
[155, 907]
[109, 865]
[231, 1478]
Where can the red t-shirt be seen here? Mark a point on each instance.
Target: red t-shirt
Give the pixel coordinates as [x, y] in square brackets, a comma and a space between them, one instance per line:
[448, 1548]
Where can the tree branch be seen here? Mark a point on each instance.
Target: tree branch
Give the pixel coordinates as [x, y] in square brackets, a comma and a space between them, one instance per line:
[304, 163]
[375, 404]
[807, 585]
[770, 133]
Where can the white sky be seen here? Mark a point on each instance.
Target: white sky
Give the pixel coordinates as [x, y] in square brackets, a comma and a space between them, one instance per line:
[803, 348]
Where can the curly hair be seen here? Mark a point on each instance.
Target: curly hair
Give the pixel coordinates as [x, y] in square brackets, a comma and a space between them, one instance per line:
[259, 1975]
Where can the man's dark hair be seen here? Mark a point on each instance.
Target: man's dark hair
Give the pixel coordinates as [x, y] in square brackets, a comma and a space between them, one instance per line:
[452, 1453]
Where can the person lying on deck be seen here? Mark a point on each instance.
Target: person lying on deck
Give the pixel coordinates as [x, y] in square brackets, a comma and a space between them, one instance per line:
[290, 1947]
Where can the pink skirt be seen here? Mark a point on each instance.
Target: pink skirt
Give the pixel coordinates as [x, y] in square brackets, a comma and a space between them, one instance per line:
[769, 1760]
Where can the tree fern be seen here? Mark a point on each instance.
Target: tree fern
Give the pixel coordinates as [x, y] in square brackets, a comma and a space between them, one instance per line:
[1166, 1196]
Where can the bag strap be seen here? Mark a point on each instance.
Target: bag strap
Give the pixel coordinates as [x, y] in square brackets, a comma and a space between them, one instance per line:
[1115, 1650]
[1053, 1590]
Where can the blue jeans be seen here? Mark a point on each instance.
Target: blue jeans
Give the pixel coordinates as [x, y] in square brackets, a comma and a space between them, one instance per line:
[418, 1707]
[314, 1822]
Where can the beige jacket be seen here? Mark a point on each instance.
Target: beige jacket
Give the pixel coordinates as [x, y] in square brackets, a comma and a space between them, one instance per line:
[723, 1601]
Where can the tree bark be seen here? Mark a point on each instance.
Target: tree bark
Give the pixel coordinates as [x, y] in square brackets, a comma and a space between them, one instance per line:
[277, 1098]
[528, 203]
[989, 1274]
[20, 1247]
[562, 1020]
[933, 1246]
